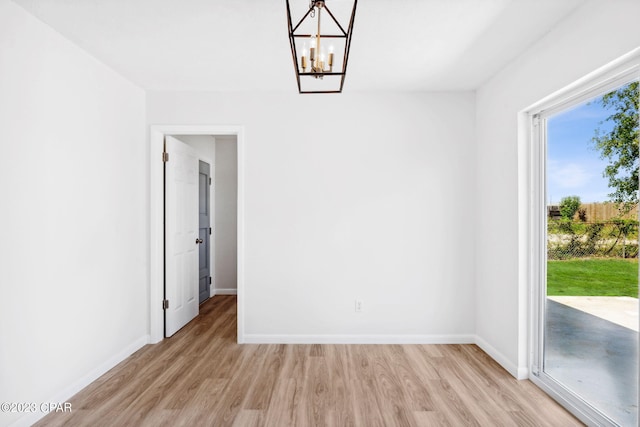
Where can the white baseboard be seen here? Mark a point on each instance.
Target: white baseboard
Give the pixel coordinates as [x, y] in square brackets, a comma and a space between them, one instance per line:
[519, 372]
[358, 339]
[225, 291]
[87, 379]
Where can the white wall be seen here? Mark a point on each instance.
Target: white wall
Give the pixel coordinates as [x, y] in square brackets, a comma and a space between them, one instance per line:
[371, 197]
[594, 35]
[73, 216]
[226, 215]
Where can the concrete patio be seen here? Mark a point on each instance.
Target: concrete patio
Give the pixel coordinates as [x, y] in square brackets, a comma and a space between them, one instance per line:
[622, 311]
[592, 348]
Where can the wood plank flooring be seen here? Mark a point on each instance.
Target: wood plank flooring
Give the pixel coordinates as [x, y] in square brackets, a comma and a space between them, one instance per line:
[201, 377]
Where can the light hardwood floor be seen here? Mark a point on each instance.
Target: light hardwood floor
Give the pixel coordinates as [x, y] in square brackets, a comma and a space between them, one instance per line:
[201, 377]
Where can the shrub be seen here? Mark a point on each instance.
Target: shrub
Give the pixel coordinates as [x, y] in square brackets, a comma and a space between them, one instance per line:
[569, 206]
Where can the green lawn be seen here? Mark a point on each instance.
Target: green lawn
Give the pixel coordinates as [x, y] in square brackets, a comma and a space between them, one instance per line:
[604, 277]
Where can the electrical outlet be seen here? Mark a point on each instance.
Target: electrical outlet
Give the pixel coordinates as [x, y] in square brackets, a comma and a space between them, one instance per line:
[358, 305]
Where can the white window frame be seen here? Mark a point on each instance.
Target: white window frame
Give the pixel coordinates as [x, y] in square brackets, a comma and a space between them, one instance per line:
[533, 124]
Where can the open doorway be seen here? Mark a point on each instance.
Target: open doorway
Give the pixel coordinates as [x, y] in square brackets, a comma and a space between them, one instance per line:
[218, 211]
[204, 140]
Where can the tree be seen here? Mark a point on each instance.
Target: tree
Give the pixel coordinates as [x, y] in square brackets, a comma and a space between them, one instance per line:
[569, 206]
[620, 144]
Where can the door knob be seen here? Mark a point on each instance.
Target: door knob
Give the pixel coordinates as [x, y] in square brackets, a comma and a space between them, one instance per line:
[198, 241]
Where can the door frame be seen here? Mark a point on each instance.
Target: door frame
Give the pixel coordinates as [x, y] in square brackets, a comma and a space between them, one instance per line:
[156, 219]
[533, 215]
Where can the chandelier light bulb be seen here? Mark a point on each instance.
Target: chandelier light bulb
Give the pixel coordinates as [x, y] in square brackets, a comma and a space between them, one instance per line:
[331, 58]
[313, 48]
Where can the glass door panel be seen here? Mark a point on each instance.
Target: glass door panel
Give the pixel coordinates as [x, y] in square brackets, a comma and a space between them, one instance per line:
[591, 307]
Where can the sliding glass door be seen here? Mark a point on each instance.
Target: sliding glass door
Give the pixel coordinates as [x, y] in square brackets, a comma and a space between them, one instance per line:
[587, 326]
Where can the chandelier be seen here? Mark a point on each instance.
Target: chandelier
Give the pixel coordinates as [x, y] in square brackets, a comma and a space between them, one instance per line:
[320, 53]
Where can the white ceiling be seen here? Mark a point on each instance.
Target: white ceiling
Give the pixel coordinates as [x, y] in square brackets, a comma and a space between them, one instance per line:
[238, 45]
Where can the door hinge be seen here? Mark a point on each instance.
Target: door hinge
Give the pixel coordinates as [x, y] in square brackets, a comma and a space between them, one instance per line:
[165, 157]
[209, 181]
[209, 230]
[209, 279]
[165, 304]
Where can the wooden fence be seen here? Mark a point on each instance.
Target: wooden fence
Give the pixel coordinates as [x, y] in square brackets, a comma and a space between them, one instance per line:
[596, 212]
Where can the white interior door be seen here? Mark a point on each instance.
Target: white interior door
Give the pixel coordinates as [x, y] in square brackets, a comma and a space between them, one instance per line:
[181, 235]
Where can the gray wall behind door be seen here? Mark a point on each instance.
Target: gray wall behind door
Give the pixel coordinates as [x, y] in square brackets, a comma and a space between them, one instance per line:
[226, 202]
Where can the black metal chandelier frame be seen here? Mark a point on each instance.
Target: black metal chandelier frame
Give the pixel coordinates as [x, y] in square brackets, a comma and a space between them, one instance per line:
[320, 4]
